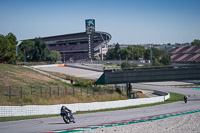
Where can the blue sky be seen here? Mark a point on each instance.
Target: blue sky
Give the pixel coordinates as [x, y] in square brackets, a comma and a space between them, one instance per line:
[128, 21]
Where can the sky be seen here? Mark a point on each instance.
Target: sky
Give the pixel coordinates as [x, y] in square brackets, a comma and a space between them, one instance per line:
[128, 21]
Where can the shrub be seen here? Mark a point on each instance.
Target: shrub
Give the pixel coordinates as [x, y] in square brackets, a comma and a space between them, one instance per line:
[125, 65]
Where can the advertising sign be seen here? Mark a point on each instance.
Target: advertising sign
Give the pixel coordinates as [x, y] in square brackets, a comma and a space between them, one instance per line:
[104, 50]
[90, 26]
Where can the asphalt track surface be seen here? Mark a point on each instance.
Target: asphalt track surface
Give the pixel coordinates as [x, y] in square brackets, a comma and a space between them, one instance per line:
[84, 120]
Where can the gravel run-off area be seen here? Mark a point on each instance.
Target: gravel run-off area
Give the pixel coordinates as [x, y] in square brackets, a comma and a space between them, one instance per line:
[189, 123]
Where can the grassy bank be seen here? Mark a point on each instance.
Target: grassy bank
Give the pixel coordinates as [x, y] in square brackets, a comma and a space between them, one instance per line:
[17, 76]
[174, 97]
[23, 86]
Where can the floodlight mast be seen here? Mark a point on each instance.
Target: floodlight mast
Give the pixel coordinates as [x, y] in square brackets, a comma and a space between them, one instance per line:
[102, 46]
[104, 41]
[151, 54]
[16, 50]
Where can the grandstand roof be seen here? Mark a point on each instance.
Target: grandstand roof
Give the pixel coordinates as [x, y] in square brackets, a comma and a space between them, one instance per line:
[65, 36]
[74, 36]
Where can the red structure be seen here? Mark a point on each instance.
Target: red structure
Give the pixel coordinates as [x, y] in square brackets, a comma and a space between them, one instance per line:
[185, 55]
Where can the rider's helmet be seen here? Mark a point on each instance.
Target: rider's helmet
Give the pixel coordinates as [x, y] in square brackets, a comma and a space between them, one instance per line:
[63, 108]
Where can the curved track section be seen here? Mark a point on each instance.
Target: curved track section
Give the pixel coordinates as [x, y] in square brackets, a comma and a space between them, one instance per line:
[93, 119]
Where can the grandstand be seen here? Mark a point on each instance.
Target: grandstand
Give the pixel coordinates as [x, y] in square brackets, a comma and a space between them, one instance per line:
[185, 55]
[75, 46]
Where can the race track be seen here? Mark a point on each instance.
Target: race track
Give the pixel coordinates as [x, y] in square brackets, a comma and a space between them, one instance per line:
[85, 120]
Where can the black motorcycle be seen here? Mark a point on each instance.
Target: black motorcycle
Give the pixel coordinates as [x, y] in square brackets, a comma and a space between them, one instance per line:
[67, 115]
[185, 99]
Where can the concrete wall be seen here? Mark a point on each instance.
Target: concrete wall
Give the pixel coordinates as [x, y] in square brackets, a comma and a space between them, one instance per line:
[6, 111]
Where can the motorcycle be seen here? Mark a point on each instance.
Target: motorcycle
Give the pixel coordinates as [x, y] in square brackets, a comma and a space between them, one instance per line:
[67, 115]
[185, 99]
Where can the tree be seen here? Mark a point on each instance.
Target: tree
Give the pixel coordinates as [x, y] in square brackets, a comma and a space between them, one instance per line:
[8, 48]
[147, 53]
[40, 50]
[53, 56]
[125, 54]
[27, 48]
[159, 57]
[125, 65]
[138, 52]
[37, 50]
[116, 51]
[196, 42]
[156, 62]
[110, 54]
[166, 60]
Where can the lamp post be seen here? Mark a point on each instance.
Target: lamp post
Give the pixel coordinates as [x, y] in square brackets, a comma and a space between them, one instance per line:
[132, 54]
[151, 54]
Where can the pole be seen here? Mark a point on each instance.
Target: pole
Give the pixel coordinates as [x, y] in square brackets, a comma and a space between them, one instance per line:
[99, 90]
[101, 52]
[31, 90]
[132, 54]
[151, 54]
[21, 92]
[127, 90]
[41, 92]
[58, 91]
[50, 91]
[65, 90]
[9, 92]
[16, 50]
[24, 55]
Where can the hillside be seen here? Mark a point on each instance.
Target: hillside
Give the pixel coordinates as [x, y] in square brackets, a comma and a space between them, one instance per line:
[17, 76]
[23, 86]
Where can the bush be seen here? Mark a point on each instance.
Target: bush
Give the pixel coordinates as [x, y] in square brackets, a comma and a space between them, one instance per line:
[118, 90]
[125, 65]
[157, 63]
[84, 83]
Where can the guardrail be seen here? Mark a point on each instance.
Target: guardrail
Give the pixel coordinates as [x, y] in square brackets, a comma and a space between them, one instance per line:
[8, 111]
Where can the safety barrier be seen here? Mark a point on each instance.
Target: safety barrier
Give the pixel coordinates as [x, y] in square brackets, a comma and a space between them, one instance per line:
[7, 111]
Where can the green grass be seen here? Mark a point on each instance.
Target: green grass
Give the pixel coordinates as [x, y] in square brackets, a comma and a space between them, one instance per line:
[34, 63]
[16, 118]
[174, 97]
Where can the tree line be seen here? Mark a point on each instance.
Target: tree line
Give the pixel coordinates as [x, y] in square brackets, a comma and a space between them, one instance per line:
[29, 50]
[196, 42]
[159, 57]
[37, 50]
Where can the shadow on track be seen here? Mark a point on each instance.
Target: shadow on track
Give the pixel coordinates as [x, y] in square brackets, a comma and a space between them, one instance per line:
[56, 123]
[193, 99]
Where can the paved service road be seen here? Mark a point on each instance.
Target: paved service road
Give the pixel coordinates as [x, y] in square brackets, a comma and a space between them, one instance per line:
[76, 72]
[83, 120]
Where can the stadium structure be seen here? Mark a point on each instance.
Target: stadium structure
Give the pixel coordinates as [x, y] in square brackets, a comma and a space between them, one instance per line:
[80, 46]
[185, 55]
[75, 46]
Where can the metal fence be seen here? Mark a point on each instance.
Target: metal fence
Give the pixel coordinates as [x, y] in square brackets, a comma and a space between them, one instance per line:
[19, 92]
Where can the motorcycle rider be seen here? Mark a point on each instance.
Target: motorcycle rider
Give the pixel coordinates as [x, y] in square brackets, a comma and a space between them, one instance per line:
[185, 98]
[63, 109]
